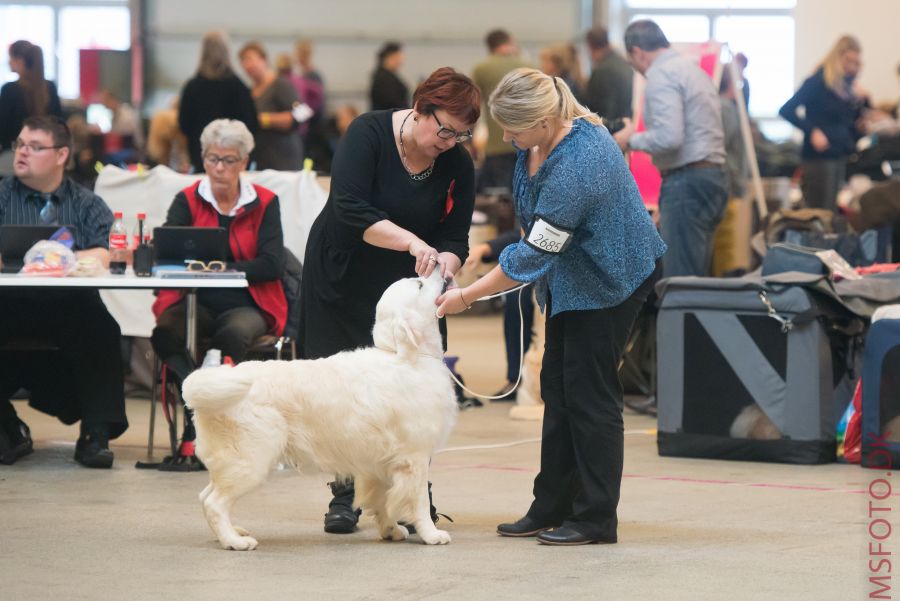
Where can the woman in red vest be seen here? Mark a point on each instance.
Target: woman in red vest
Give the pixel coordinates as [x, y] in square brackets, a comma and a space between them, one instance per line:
[231, 318]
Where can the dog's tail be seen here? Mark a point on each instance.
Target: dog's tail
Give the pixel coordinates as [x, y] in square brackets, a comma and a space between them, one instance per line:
[217, 388]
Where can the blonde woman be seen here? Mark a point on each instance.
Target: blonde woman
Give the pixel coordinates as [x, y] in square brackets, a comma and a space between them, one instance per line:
[832, 107]
[592, 251]
[215, 92]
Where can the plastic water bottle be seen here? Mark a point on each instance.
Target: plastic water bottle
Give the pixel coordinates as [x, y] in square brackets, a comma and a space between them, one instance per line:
[213, 358]
[118, 246]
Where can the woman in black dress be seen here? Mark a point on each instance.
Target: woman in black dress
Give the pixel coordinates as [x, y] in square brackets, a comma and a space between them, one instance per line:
[387, 90]
[215, 92]
[401, 201]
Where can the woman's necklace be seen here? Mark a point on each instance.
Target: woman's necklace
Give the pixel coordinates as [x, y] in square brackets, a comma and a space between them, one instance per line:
[416, 176]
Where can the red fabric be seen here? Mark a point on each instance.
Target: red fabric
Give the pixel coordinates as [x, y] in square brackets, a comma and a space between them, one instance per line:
[242, 238]
[853, 435]
[89, 74]
[448, 205]
[878, 268]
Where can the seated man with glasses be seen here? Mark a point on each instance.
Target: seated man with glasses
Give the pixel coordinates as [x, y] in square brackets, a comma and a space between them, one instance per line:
[233, 318]
[83, 380]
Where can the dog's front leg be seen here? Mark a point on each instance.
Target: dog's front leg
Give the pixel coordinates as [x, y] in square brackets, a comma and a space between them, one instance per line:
[424, 526]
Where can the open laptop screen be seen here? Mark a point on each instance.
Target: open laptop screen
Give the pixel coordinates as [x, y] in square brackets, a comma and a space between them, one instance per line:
[172, 245]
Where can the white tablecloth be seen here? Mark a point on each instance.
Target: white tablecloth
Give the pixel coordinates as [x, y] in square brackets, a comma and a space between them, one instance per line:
[301, 194]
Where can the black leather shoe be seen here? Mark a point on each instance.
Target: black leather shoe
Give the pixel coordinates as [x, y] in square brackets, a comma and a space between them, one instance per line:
[92, 450]
[15, 441]
[526, 526]
[341, 517]
[568, 537]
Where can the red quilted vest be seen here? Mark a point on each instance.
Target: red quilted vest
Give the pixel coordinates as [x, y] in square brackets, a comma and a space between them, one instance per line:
[242, 237]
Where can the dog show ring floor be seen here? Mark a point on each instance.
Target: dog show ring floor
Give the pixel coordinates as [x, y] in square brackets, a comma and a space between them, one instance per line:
[689, 529]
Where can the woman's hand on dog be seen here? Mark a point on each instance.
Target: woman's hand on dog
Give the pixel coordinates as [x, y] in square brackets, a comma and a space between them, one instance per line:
[449, 263]
[454, 300]
[426, 257]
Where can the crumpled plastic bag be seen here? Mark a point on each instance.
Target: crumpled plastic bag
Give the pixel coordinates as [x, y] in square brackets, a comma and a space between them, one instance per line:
[87, 267]
[49, 258]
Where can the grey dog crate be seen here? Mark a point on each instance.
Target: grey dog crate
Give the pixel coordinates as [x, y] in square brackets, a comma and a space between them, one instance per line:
[752, 371]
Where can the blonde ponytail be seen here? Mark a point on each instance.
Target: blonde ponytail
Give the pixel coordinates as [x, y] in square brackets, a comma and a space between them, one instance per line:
[526, 96]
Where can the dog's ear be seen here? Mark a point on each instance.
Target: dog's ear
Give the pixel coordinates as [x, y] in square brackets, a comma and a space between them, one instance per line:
[407, 334]
[399, 333]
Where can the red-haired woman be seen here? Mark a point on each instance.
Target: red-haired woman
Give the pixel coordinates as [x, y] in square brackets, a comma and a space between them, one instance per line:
[401, 201]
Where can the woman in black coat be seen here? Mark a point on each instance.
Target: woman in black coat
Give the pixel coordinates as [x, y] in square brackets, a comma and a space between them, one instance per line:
[215, 92]
[832, 106]
[388, 91]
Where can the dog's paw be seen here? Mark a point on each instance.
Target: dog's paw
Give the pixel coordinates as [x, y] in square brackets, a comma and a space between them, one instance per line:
[241, 543]
[241, 531]
[395, 532]
[437, 537]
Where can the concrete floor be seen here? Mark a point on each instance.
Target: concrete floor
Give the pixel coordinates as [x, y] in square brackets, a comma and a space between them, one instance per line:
[689, 529]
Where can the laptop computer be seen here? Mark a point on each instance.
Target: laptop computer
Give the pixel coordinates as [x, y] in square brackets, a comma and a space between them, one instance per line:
[16, 240]
[172, 245]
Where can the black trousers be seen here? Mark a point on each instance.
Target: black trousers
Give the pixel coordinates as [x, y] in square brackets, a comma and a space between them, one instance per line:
[232, 331]
[84, 379]
[582, 442]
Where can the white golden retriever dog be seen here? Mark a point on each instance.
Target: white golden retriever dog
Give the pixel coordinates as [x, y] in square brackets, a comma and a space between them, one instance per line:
[376, 414]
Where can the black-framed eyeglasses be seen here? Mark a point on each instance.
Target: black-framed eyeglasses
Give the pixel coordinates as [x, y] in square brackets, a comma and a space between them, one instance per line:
[196, 265]
[214, 159]
[446, 133]
[32, 146]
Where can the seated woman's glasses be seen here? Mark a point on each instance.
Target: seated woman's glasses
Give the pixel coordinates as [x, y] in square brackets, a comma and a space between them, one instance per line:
[195, 265]
[229, 161]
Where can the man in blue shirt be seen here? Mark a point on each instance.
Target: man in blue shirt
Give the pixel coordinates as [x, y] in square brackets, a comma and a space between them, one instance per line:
[686, 138]
[84, 379]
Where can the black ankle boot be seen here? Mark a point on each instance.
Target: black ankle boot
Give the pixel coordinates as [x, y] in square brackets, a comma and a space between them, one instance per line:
[341, 517]
[15, 441]
[92, 448]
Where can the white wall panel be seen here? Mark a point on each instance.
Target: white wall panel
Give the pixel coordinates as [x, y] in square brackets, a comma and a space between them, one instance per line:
[347, 34]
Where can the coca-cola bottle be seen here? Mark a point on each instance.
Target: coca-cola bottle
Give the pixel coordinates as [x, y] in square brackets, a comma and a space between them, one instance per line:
[118, 246]
[141, 235]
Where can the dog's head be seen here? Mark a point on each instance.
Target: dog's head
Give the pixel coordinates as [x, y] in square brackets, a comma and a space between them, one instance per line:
[405, 320]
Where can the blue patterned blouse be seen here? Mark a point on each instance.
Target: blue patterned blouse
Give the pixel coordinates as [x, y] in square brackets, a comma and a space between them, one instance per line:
[586, 188]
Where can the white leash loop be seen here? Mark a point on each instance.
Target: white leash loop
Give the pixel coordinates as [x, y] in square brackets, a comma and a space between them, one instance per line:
[521, 345]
